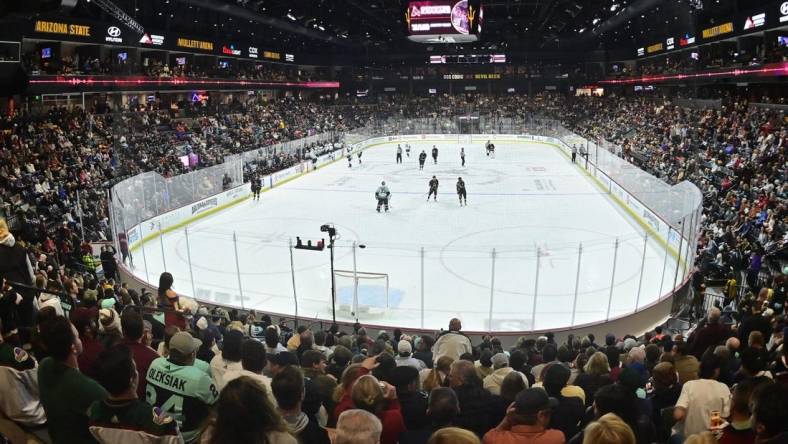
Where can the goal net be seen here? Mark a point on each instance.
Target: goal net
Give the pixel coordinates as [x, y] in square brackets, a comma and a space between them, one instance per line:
[362, 292]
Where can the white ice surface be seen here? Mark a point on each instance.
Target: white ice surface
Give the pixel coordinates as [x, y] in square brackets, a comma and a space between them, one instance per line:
[529, 198]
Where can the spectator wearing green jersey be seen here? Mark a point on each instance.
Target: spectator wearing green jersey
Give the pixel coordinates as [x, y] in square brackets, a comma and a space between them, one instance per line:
[181, 389]
[122, 417]
[66, 393]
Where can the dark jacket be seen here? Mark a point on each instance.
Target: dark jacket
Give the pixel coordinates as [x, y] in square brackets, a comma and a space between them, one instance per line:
[414, 409]
[566, 416]
[590, 384]
[475, 404]
[709, 335]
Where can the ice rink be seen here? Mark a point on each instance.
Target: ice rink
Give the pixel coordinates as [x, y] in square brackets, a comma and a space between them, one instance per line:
[529, 204]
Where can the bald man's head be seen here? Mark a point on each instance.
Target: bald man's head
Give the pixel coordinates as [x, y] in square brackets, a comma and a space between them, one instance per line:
[455, 325]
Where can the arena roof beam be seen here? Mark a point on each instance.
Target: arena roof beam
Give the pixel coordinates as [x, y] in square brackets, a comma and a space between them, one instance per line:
[246, 14]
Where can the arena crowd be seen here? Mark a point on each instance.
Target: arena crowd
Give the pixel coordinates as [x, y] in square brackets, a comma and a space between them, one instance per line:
[96, 361]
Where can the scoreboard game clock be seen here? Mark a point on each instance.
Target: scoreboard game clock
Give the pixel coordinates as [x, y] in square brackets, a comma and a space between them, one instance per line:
[444, 21]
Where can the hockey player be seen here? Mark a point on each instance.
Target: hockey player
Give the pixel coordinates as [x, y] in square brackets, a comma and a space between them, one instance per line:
[382, 195]
[462, 155]
[422, 159]
[461, 192]
[359, 157]
[491, 149]
[349, 159]
[256, 186]
[407, 149]
[487, 148]
[433, 189]
[399, 154]
[435, 154]
[574, 153]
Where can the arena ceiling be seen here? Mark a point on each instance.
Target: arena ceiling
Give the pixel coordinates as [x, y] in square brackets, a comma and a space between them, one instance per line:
[376, 26]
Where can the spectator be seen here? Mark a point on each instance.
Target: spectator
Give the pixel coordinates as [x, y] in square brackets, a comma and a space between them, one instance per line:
[484, 365]
[228, 358]
[253, 363]
[569, 411]
[15, 267]
[180, 388]
[664, 393]
[133, 329]
[710, 335]
[84, 320]
[527, 421]
[18, 369]
[686, 365]
[424, 350]
[313, 365]
[609, 429]
[770, 415]
[438, 376]
[701, 438]
[243, 414]
[453, 435]
[452, 343]
[621, 401]
[357, 426]
[169, 299]
[122, 417]
[549, 356]
[288, 389]
[66, 394]
[511, 386]
[380, 399]
[754, 321]
[739, 428]
[442, 411]
[702, 396]
[413, 402]
[338, 361]
[500, 370]
[596, 374]
[342, 396]
[272, 344]
[474, 400]
[404, 357]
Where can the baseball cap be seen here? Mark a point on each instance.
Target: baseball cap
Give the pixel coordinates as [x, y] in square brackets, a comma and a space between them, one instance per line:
[284, 358]
[500, 360]
[184, 343]
[533, 400]
[404, 347]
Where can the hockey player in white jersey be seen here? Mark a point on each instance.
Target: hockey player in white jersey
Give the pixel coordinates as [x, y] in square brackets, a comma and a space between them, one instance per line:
[382, 195]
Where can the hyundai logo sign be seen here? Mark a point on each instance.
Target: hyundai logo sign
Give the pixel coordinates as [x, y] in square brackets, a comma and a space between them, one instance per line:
[113, 35]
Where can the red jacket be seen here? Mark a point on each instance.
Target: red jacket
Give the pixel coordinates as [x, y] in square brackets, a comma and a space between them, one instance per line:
[143, 356]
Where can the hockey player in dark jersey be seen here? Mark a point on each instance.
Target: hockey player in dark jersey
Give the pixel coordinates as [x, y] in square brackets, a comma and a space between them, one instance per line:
[433, 189]
[462, 156]
[434, 154]
[422, 159]
[462, 193]
[256, 186]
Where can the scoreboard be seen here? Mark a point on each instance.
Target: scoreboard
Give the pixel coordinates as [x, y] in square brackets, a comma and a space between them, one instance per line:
[444, 21]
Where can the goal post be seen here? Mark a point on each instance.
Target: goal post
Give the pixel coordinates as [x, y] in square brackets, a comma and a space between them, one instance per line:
[362, 291]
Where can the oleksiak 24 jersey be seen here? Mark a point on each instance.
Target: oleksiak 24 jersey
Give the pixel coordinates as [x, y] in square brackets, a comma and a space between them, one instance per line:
[185, 393]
